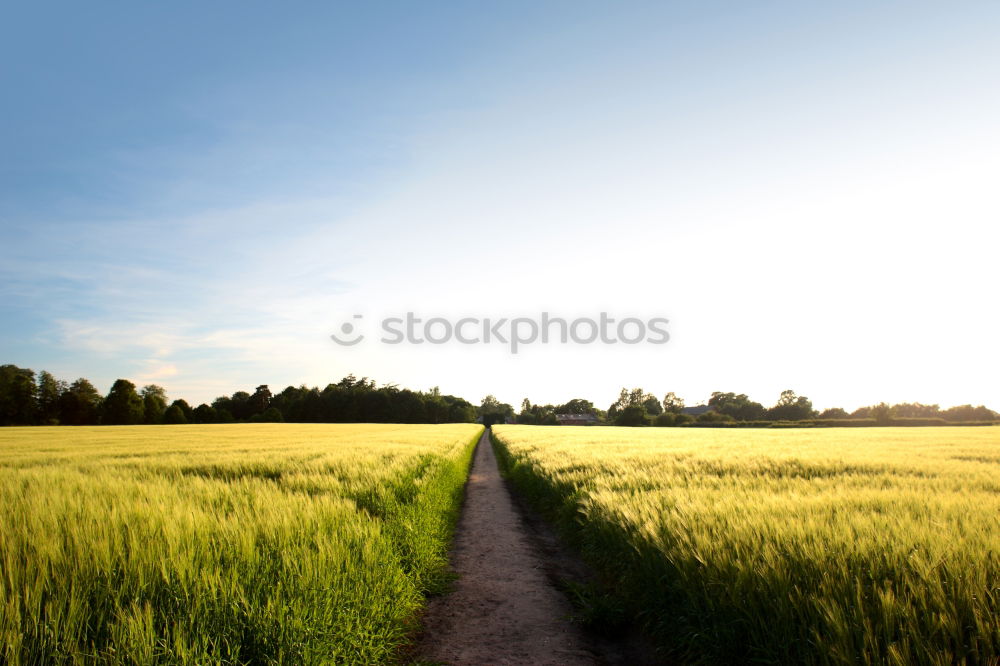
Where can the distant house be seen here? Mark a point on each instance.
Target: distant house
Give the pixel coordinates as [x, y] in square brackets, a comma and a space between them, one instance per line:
[576, 419]
[697, 410]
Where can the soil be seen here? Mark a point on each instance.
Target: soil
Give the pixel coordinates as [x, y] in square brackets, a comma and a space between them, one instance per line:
[505, 607]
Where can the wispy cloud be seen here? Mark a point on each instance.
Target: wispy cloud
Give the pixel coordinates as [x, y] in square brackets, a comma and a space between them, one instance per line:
[157, 371]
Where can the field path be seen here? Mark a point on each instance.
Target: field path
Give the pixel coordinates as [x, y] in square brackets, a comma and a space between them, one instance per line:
[503, 610]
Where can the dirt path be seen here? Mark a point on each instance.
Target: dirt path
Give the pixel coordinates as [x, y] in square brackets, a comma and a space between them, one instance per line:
[503, 610]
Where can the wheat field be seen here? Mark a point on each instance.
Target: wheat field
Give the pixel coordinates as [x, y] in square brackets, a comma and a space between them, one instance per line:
[223, 544]
[832, 546]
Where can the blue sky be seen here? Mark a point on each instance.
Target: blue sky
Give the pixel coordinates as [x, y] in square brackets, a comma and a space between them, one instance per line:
[197, 196]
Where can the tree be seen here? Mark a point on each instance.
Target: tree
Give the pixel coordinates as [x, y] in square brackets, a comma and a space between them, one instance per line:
[636, 397]
[493, 411]
[154, 403]
[672, 403]
[665, 419]
[791, 407]
[260, 400]
[618, 405]
[652, 405]
[970, 413]
[631, 408]
[681, 419]
[413, 407]
[48, 392]
[459, 410]
[489, 403]
[185, 408]
[739, 407]
[174, 415]
[633, 415]
[525, 417]
[269, 415]
[240, 406]
[577, 406]
[834, 413]
[205, 414]
[546, 415]
[712, 416]
[882, 413]
[80, 404]
[430, 406]
[18, 396]
[123, 406]
[627, 398]
[909, 410]
[537, 414]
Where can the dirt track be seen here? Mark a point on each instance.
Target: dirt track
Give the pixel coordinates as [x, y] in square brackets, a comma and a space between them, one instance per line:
[503, 609]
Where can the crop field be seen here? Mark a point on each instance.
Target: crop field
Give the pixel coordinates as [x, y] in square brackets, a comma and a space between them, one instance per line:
[833, 546]
[235, 544]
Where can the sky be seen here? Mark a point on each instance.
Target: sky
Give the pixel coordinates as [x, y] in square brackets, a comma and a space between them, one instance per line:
[198, 195]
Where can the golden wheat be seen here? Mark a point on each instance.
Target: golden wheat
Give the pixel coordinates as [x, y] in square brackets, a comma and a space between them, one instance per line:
[222, 544]
[875, 545]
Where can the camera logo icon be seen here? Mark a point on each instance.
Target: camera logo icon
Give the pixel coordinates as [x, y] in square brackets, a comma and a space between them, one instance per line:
[348, 329]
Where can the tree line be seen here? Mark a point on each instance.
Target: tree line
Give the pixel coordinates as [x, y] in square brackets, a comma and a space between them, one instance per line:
[30, 399]
[637, 407]
[493, 411]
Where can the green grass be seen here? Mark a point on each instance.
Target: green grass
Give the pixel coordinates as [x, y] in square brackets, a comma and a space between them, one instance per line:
[839, 546]
[226, 544]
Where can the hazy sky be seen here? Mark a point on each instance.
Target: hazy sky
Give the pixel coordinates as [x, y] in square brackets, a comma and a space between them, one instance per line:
[199, 194]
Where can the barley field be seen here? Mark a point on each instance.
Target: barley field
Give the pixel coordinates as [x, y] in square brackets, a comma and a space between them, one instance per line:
[223, 544]
[833, 546]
